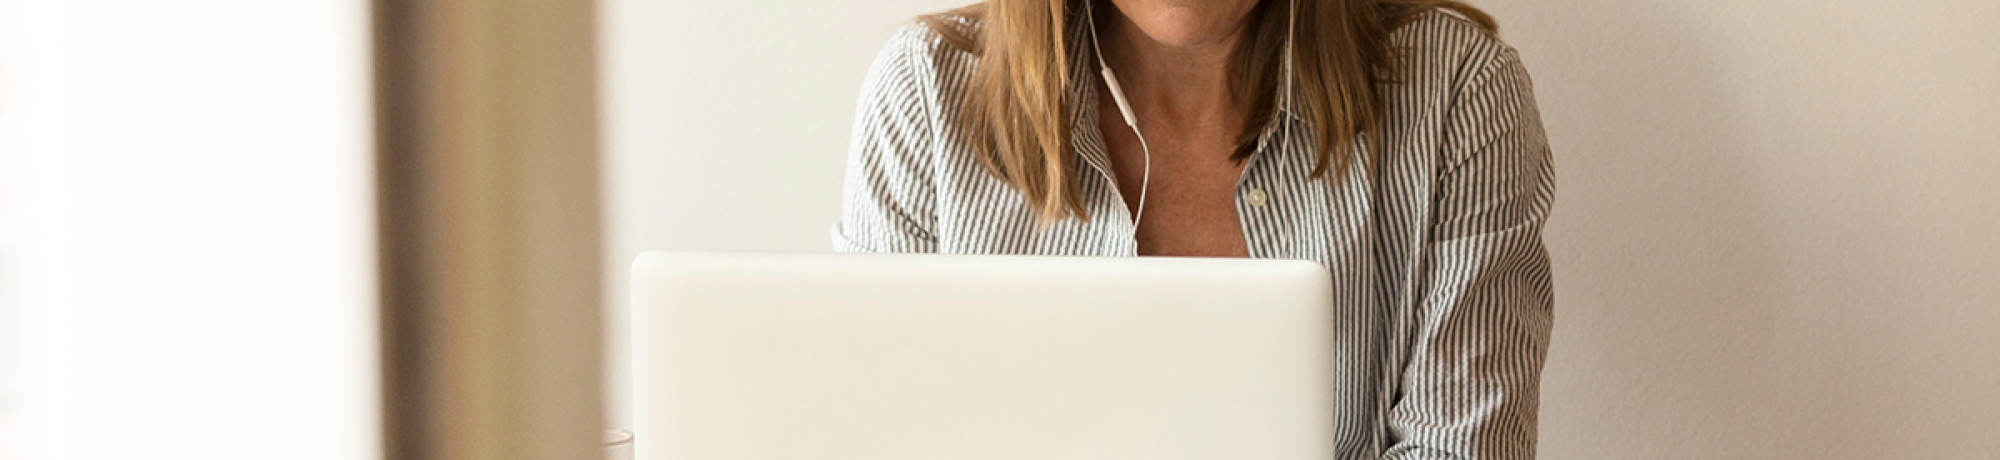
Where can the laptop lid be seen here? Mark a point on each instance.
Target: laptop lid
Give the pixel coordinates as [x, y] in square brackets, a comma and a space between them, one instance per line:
[770, 356]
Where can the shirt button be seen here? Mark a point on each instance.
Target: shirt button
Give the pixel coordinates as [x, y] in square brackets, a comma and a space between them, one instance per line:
[1257, 197]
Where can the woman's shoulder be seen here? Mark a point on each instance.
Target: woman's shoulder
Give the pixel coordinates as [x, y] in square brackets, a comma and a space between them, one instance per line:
[1439, 44]
[909, 95]
[931, 45]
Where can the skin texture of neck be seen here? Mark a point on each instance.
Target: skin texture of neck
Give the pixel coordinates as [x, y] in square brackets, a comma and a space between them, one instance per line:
[1172, 85]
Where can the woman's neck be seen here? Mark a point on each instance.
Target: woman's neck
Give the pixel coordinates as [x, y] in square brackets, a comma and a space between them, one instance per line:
[1167, 83]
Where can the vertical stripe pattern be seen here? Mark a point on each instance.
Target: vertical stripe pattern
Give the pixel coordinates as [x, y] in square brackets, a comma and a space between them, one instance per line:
[1441, 280]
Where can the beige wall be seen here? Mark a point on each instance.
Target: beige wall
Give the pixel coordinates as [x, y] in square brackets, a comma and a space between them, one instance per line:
[1776, 226]
[1774, 234]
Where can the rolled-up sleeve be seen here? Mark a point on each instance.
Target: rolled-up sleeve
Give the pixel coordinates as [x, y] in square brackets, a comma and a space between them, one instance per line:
[887, 202]
[1470, 389]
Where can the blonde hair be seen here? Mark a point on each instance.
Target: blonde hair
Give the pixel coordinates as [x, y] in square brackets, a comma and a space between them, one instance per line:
[1017, 110]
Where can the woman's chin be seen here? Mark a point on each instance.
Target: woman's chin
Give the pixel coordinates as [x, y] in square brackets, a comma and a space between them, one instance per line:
[1190, 26]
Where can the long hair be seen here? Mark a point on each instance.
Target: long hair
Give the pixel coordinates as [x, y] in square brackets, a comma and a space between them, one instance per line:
[1017, 108]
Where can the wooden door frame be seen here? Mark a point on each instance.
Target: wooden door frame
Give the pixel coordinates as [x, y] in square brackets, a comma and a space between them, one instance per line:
[489, 228]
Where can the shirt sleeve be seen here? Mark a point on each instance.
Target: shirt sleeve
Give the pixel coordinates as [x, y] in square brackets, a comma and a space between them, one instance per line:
[888, 200]
[1471, 387]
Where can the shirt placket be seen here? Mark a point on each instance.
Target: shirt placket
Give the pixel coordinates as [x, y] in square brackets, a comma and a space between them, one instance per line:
[1261, 204]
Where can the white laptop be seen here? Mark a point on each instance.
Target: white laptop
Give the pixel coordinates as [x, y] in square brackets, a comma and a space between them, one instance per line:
[770, 356]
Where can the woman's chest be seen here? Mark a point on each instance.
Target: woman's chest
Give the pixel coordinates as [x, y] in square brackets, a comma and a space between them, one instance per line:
[1182, 188]
[1271, 206]
[1276, 204]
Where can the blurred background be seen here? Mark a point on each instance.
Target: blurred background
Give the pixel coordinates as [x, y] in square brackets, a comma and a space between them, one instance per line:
[186, 220]
[1775, 233]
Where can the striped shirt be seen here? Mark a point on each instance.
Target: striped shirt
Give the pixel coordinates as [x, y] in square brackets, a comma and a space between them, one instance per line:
[1441, 281]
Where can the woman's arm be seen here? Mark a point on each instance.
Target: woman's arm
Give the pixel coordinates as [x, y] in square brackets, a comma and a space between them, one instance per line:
[888, 200]
[1471, 387]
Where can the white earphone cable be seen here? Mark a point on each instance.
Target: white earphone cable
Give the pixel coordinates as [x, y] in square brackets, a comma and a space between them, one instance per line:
[1124, 110]
[1132, 120]
[1291, 27]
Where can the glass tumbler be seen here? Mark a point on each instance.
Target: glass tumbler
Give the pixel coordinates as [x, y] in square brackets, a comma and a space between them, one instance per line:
[617, 444]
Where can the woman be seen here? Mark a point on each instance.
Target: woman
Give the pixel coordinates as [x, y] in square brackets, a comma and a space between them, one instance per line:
[1394, 141]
